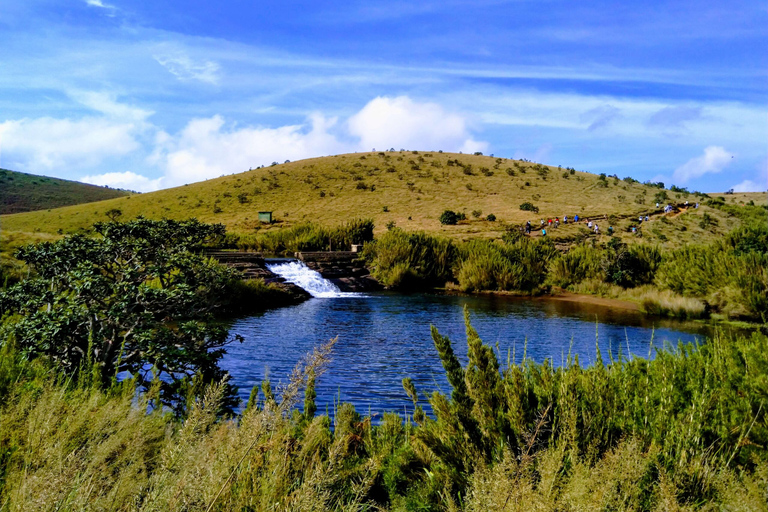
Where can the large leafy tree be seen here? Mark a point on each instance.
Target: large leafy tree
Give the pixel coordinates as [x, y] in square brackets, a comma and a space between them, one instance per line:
[135, 299]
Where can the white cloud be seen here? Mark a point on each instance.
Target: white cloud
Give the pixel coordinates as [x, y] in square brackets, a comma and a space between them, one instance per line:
[403, 123]
[183, 67]
[110, 9]
[209, 147]
[107, 104]
[46, 143]
[714, 160]
[127, 180]
[76, 145]
[206, 148]
[749, 186]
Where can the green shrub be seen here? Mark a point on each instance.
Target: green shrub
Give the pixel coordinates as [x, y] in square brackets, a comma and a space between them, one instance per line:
[529, 207]
[630, 266]
[579, 263]
[134, 298]
[731, 274]
[403, 260]
[448, 217]
[518, 266]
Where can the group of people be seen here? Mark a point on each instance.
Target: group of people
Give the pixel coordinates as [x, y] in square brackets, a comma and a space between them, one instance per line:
[550, 223]
[668, 208]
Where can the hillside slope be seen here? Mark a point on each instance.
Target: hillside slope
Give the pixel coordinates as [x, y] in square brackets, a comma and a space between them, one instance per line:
[22, 192]
[408, 188]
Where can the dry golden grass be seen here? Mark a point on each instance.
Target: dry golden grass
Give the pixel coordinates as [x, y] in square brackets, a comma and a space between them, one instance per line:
[408, 188]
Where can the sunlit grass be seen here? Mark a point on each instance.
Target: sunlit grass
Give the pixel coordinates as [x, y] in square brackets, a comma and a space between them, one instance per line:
[683, 431]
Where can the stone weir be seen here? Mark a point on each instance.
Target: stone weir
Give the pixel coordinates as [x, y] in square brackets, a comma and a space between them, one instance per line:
[252, 266]
[345, 269]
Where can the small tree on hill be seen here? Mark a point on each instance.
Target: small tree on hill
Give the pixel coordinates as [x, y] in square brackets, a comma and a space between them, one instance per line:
[448, 217]
[114, 214]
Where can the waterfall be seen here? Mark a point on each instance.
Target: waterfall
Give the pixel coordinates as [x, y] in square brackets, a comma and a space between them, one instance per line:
[298, 273]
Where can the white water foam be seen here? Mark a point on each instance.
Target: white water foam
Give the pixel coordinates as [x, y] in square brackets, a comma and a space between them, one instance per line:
[298, 273]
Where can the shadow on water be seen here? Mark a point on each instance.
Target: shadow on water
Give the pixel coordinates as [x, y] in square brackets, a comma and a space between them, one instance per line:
[385, 337]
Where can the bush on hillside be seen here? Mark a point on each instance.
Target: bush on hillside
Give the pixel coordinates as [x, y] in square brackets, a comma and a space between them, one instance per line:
[448, 218]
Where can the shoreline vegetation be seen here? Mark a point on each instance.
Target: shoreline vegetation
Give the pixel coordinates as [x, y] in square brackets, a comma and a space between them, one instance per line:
[684, 431]
[725, 280]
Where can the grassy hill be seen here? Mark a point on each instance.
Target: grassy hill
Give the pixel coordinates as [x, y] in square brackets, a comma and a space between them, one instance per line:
[410, 189]
[21, 192]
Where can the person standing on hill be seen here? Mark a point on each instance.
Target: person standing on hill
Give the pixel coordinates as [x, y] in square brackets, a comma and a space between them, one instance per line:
[575, 218]
[528, 227]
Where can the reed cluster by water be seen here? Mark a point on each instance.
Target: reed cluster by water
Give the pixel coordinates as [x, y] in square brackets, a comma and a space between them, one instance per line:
[305, 236]
[684, 430]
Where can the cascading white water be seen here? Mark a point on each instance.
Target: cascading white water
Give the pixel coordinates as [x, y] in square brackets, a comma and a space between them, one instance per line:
[298, 273]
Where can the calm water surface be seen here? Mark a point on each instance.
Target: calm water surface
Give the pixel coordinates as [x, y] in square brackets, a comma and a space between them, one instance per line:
[385, 337]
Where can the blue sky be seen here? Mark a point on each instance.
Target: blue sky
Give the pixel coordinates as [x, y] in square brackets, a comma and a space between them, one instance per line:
[147, 95]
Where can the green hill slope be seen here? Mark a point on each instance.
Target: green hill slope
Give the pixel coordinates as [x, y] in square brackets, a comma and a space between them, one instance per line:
[21, 192]
[408, 188]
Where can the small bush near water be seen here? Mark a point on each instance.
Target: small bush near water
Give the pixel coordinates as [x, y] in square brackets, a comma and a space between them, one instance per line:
[667, 303]
[686, 430]
[399, 259]
[730, 274]
[519, 266]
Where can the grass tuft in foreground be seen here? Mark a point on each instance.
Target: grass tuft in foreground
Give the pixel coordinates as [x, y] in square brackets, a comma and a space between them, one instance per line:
[685, 430]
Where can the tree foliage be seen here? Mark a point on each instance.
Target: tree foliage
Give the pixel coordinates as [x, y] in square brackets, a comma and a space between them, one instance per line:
[134, 299]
